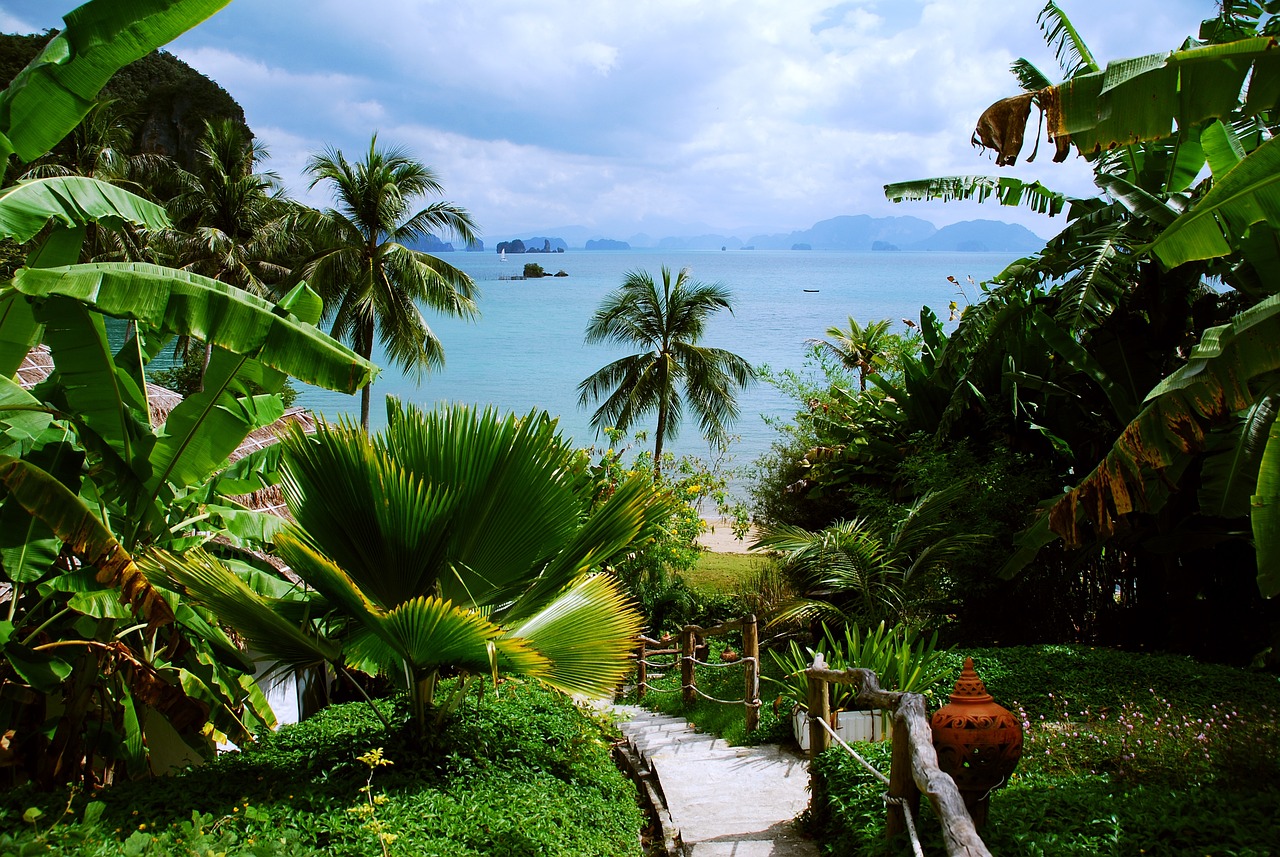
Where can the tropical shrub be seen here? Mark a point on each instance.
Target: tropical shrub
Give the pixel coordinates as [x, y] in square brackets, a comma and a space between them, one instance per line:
[452, 542]
[902, 658]
[866, 571]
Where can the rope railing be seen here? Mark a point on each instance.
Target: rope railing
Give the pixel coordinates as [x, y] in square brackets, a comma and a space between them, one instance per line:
[889, 800]
[692, 639]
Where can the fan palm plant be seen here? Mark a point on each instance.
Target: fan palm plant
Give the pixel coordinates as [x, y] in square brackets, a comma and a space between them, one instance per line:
[454, 541]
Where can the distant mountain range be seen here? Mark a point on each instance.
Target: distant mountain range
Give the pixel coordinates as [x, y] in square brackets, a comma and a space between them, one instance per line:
[848, 232]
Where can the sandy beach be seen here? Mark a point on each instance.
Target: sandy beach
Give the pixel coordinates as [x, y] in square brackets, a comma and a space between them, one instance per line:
[719, 537]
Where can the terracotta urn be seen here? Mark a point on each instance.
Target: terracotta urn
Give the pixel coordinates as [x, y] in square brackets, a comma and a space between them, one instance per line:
[978, 742]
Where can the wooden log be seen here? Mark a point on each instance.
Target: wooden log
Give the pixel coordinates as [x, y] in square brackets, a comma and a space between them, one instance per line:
[751, 660]
[687, 641]
[819, 707]
[901, 783]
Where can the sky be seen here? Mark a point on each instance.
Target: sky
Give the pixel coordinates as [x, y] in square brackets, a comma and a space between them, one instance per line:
[667, 117]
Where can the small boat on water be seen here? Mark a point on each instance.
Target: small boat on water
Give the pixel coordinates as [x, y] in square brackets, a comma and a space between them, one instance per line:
[502, 256]
[813, 290]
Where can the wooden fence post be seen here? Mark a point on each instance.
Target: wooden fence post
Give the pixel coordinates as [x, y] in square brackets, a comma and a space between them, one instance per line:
[687, 641]
[819, 709]
[751, 658]
[901, 783]
[642, 669]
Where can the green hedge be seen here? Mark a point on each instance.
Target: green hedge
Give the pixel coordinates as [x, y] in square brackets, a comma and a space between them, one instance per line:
[520, 773]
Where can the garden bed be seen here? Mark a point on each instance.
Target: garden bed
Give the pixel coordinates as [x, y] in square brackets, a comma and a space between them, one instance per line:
[1124, 754]
[520, 773]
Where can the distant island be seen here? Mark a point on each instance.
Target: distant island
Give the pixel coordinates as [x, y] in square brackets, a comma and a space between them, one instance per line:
[857, 233]
[548, 245]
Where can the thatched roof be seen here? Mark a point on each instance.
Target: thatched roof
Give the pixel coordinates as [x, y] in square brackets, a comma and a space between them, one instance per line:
[38, 363]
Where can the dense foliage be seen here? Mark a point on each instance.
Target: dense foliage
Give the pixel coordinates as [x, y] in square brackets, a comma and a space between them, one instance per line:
[1124, 375]
[518, 772]
[163, 101]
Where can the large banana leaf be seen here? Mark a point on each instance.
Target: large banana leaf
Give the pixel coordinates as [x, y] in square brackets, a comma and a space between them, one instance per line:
[93, 390]
[188, 304]
[70, 520]
[1248, 193]
[27, 207]
[23, 418]
[206, 427]
[28, 547]
[1266, 516]
[19, 331]
[1138, 99]
[54, 92]
[1007, 191]
[1224, 376]
[1233, 457]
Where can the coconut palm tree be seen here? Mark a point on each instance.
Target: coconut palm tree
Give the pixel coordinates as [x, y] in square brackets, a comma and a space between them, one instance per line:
[372, 284]
[231, 219]
[860, 349]
[454, 541]
[667, 323]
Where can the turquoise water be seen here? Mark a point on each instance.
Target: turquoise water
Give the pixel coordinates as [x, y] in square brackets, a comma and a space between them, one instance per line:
[526, 350]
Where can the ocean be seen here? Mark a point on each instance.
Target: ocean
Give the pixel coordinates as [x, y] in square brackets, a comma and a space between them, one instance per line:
[526, 350]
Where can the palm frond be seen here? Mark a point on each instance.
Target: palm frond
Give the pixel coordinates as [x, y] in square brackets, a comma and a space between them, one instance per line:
[1005, 190]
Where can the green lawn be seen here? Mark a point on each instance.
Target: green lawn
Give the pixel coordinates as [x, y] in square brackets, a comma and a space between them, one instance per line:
[724, 573]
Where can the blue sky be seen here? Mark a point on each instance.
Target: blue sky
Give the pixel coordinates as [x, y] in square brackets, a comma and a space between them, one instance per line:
[667, 116]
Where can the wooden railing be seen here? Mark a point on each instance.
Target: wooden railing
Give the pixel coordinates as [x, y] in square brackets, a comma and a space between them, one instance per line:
[692, 647]
[914, 766]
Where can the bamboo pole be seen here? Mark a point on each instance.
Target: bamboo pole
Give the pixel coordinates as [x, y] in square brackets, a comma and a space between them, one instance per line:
[751, 660]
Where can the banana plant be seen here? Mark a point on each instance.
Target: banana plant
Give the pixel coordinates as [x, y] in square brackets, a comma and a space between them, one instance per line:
[87, 484]
[1124, 305]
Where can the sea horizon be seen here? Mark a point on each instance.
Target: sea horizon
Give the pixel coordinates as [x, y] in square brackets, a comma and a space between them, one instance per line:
[526, 350]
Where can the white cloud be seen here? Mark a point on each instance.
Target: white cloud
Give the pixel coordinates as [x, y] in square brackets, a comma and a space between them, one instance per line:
[763, 113]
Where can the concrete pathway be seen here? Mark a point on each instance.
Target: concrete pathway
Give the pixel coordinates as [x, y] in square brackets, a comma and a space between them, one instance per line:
[726, 801]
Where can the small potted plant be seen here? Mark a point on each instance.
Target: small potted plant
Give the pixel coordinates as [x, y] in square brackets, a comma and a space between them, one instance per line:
[902, 658]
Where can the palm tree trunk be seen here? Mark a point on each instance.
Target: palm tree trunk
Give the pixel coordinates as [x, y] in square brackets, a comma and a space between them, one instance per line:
[657, 444]
[364, 348]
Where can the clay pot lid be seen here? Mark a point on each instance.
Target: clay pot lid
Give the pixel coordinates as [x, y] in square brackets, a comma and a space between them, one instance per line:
[969, 687]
